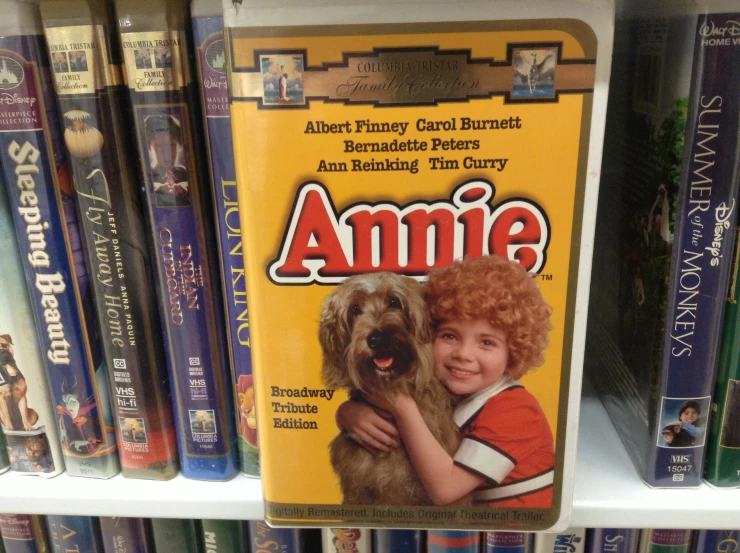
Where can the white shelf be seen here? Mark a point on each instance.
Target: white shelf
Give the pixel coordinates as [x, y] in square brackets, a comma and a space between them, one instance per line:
[239, 498]
[608, 492]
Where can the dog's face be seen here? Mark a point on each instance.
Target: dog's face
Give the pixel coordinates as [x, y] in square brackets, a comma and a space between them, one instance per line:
[375, 334]
[6, 350]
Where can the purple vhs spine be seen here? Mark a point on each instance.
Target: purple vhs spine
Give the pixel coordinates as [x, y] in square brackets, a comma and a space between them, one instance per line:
[612, 540]
[700, 265]
[211, 59]
[163, 98]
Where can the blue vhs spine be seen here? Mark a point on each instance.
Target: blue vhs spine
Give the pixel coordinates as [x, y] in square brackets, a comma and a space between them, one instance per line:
[41, 197]
[612, 540]
[701, 261]
[31, 439]
[164, 124]
[277, 540]
[208, 33]
[71, 533]
[397, 541]
[716, 541]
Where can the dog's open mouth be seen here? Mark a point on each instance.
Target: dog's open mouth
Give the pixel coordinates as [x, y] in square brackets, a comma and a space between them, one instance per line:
[383, 364]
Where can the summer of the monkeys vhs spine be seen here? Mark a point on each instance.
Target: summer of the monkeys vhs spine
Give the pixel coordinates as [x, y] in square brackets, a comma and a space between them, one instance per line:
[700, 266]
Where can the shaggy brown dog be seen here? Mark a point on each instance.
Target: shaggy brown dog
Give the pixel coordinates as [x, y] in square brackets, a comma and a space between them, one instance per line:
[376, 338]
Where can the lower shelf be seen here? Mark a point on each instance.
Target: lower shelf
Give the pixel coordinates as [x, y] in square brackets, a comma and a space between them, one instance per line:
[608, 492]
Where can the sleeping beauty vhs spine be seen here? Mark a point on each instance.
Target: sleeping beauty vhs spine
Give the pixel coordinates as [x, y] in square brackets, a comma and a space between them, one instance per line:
[41, 195]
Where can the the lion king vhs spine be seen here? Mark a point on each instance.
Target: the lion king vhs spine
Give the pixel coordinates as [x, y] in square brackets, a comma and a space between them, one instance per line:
[83, 45]
[508, 542]
[665, 541]
[31, 433]
[74, 533]
[176, 535]
[126, 535]
[224, 536]
[395, 541]
[208, 27]
[453, 541]
[265, 538]
[42, 199]
[716, 541]
[24, 534]
[164, 102]
[612, 540]
[339, 540]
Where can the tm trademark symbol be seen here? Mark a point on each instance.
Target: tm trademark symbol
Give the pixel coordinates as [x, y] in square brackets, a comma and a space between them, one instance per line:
[546, 277]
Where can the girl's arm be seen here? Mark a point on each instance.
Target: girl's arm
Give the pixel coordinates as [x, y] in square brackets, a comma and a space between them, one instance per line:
[366, 426]
[444, 481]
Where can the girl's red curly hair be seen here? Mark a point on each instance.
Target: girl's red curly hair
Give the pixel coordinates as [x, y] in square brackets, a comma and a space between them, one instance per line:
[501, 292]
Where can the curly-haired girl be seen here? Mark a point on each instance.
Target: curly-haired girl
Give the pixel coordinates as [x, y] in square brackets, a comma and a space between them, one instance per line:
[491, 329]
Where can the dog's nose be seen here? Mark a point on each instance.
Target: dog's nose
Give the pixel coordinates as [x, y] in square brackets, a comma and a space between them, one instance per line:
[378, 339]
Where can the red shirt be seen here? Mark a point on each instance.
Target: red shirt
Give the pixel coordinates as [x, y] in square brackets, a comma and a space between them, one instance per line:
[507, 440]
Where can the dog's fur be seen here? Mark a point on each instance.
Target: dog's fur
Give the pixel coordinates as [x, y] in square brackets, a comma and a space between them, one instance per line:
[383, 316]
[15, 414]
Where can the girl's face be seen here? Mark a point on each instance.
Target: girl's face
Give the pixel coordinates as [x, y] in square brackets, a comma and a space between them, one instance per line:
[689, 415]
[470, 355]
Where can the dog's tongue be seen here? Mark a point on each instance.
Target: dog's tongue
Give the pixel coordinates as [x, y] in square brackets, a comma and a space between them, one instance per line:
[383, 363]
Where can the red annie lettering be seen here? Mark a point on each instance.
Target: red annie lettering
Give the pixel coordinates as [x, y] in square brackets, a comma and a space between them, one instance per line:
[324, 246]
[312, 244]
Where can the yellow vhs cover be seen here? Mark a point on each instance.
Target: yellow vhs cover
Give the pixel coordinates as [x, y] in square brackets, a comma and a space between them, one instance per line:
[417, 188]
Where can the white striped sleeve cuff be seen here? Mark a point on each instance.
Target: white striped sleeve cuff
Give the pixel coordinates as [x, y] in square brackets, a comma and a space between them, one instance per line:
[484, 459]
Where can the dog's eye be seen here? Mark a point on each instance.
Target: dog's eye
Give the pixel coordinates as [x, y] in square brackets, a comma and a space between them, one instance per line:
[394, 303]
[355, 309]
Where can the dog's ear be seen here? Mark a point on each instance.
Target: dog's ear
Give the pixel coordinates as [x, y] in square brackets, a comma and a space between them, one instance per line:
[421, 321]
[7, 338]
[334, 337]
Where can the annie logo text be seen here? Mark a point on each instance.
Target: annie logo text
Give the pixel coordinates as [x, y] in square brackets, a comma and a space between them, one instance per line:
[321, 245]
